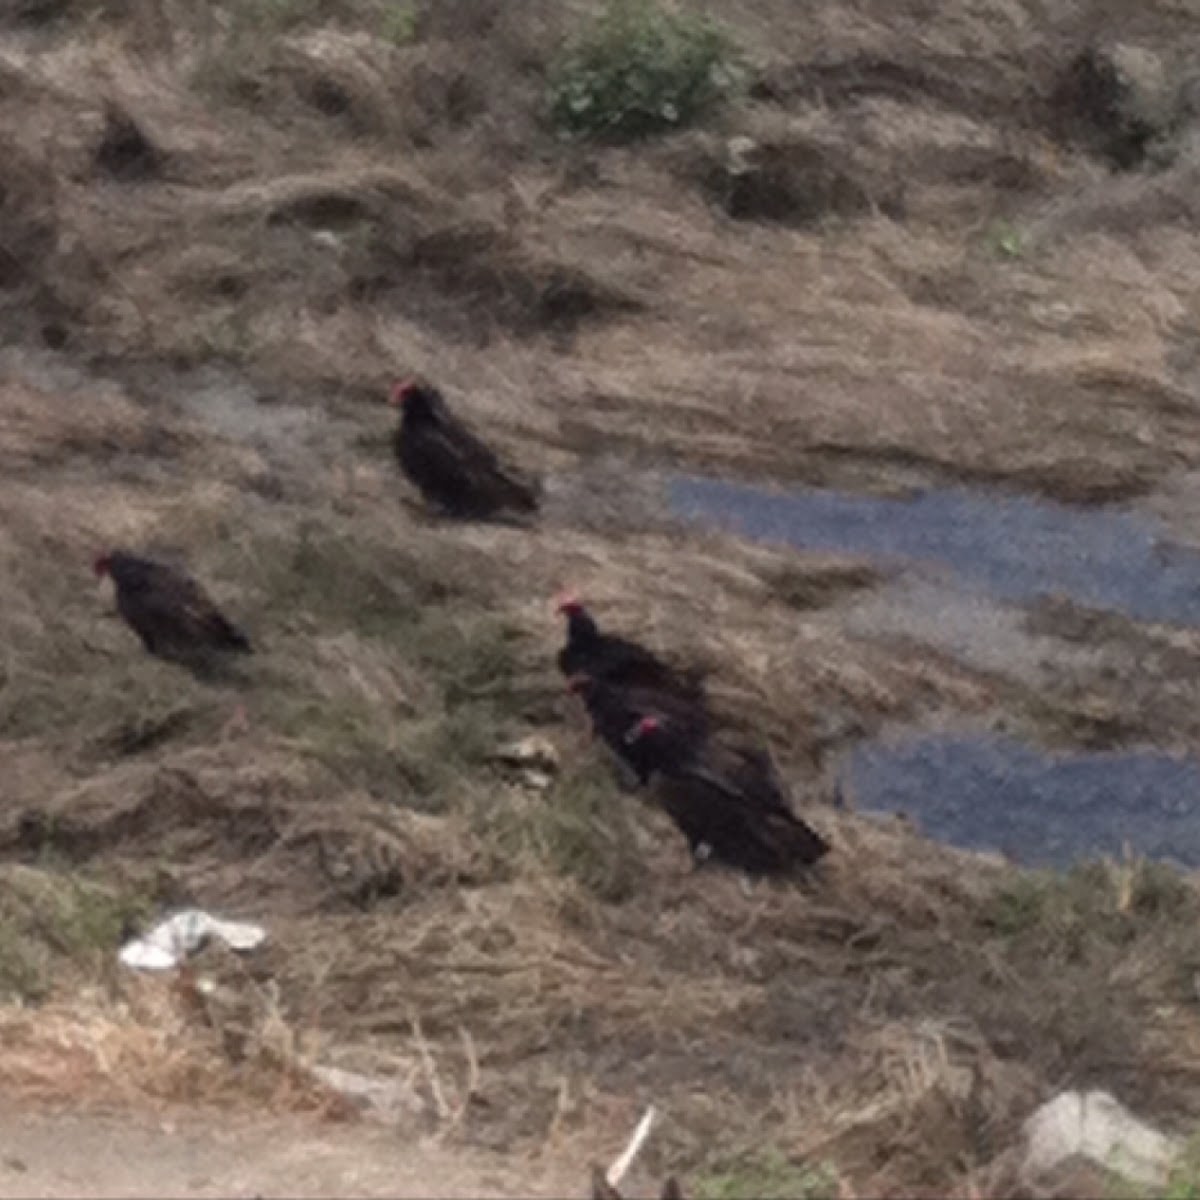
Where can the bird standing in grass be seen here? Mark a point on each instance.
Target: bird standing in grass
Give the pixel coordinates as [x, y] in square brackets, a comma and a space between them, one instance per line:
[450, 466]
[620, 662]
[171, 613]
[615, 710]
[728, 803]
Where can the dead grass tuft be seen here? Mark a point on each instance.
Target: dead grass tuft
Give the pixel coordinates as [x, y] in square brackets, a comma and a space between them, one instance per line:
[472, 282]
[50, 921]
[787, 176]
[27, 215]
[579, 829]
[1120, 100]
[124, 151]
[814, 586]
[158, 1046]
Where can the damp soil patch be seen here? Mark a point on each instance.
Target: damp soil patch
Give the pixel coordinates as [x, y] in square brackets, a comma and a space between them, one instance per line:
[1039, 809]
[1016, 548]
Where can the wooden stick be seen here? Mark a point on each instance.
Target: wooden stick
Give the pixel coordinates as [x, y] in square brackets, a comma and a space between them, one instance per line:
[622, 1164]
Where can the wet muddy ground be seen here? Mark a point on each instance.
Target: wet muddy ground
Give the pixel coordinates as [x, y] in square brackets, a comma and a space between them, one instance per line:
[992, 580]
[1013, 547]
[1037, 809]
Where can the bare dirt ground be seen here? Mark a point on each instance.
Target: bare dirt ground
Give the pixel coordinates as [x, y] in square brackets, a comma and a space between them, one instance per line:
[201, 319]
[200, 1154]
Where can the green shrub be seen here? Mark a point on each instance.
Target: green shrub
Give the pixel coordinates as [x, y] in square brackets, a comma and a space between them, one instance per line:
[640, 69]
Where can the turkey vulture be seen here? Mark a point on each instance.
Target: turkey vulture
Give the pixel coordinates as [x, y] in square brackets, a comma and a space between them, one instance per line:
[170, 611]
[618, 661]
[614, 711]
[728, 803]
[450, 466]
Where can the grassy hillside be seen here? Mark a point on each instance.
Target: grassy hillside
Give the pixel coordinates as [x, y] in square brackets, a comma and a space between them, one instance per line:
[870, 244]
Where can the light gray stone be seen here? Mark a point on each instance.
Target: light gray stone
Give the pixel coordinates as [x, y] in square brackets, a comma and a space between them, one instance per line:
[1096, 1127]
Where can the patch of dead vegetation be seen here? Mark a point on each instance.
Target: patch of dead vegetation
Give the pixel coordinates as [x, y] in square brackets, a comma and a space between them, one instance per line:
[39, 427]
[479, 245]
[790, 179]
[324, 204]
[158, 1045]
[27, 207]
[125, 151]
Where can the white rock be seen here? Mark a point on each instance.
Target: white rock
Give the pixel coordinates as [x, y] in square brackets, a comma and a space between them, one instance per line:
[1096, 1127]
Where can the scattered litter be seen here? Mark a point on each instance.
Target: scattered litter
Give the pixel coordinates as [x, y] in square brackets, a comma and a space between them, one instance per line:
[389, 1099]
[175, 939]
[605, 1184]
[532, 751]
[624, 1161]
[535, 758]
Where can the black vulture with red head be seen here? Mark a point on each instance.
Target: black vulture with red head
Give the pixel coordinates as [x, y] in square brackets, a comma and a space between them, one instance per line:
[729, 803]
[615, 711]
[171, 613]
[621, 662]
[449, 465]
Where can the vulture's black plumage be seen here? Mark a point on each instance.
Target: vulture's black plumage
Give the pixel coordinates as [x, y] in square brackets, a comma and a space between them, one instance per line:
[615, 711]
[728, 802]
[170, 611]
[620, 662]
[450, 466]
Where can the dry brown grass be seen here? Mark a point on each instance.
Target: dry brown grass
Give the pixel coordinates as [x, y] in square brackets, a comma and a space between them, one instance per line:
[157, 1048]
[334, 202]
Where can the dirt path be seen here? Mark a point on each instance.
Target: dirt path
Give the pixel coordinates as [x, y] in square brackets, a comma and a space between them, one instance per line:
[194, 1155]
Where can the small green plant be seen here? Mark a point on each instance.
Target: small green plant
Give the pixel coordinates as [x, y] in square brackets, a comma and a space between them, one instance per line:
[1182, 1186]
[399, 24]
[1102, 901]
[47, 916]
[1006, 240]
[1183, 1183]
[1183, 1180]
[23, 976]
[768, 1176]
[1018, 906]
[640, 69]
[806, 589]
